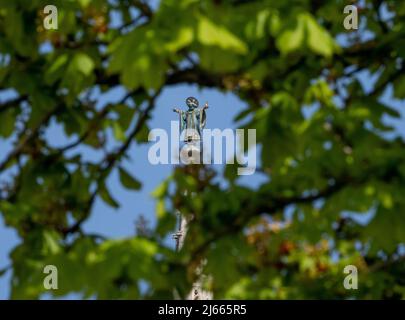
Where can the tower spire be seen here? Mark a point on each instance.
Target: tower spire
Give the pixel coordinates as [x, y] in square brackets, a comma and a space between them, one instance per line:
[192, 122]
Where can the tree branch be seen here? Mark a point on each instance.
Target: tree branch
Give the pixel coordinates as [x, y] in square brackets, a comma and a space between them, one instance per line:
[110, 161]
[29, 137]
[11, 103]
[94, 122]
[269, 204]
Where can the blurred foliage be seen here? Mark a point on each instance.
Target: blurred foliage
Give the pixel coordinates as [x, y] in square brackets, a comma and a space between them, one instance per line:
[328, 152]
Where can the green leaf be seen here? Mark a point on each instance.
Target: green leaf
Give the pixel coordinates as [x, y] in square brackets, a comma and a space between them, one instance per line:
[210, 34]
[161, 190]
[107, 198]
[386, 230]
[8, 118]
[83, 63]
[143, 134]
[84, 3]
[139, 59]
[160, 209]
[292, 38]
[57, 69]
[399, 87]
[51, 242]
[305, 30]
[125, 114]
[3, 271]
[218, 60]
[128, 181]
[318, 39]
[183, 37]
[119, 134]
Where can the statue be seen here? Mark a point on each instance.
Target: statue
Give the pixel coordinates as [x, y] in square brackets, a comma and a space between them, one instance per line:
[193, 120]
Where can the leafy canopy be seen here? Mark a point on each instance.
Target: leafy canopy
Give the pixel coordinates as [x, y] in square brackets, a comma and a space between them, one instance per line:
[328, 153]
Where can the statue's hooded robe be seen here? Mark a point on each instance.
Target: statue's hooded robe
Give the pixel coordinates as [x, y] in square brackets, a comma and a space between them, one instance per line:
[193, 121]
